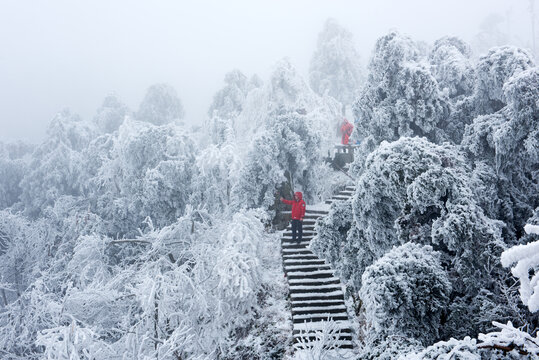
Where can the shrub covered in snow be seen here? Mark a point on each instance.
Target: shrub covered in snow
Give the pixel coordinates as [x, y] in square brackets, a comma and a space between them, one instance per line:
[405, 292]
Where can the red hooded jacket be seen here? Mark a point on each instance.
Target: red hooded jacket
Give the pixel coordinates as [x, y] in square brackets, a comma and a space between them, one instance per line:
[298, 207]
[346, 131]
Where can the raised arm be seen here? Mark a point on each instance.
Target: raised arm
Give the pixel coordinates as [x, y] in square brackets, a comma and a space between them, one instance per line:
[288, 202]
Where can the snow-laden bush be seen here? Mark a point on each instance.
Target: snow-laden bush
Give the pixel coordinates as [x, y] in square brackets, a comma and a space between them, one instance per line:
[335, 69]
[405, 293]
[161, 105]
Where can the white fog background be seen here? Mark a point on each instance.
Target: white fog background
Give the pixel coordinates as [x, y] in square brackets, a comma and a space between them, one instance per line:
[56, 54]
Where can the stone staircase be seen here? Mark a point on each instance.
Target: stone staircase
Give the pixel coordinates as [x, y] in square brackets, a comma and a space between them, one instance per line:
[316, 295]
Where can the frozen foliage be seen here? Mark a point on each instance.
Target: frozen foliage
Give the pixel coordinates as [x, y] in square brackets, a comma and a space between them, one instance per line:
[56, 167]
[508, 343]
[504, 147]
[285, 130]
[388, 348]
[190, 290]
[493, 70]
[452, 66]
[111, 114]
[149, 173]
[228, 103]
[11, 174]
[324, 346]
[331, 239]
[522, 344]
[465, 349]
[414, 191]
[288, 150]
[526, 258]
[335, 69]
[401, 96]
[404, 293]
[160, 105]
[287, 90]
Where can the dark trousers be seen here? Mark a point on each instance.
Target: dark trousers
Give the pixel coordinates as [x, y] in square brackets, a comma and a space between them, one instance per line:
[297, 226]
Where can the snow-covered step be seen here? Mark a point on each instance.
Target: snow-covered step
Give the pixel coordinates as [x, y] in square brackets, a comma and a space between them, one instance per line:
[295, 245]
[309, 289]
[333, 295]
[305, 233]
[320, 317]
[296, 251]
[310, 256]
[311, 274]
[340, 198]
[315, 303]
[342, 326]
[304, 262]
[306, 267]
[342, 342]
[323, 281]
[348, 193]
[319, 310]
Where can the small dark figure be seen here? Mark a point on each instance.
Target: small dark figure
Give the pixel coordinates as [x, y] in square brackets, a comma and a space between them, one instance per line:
[298, 213]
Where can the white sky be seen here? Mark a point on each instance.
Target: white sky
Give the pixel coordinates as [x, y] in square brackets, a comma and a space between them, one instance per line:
[72, 53]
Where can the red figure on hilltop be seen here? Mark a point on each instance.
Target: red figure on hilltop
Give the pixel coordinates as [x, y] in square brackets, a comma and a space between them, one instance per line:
[346, 131]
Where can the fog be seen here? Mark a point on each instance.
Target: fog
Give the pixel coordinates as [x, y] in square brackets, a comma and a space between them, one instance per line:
[58, 54]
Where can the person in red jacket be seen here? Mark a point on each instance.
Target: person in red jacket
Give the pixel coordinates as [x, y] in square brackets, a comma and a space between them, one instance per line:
[346, 131]
[298, 213]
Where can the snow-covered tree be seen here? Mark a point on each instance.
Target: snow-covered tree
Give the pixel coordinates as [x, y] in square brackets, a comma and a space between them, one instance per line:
[111, 114]
[401, 96]
[452, 66]
[405, 292]
[161, 105]
[335, 69]
[149, 174]
[56, 167]
[504, 149]
[228, 104]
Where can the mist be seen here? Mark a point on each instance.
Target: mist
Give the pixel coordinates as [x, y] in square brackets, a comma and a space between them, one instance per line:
[59, 54]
